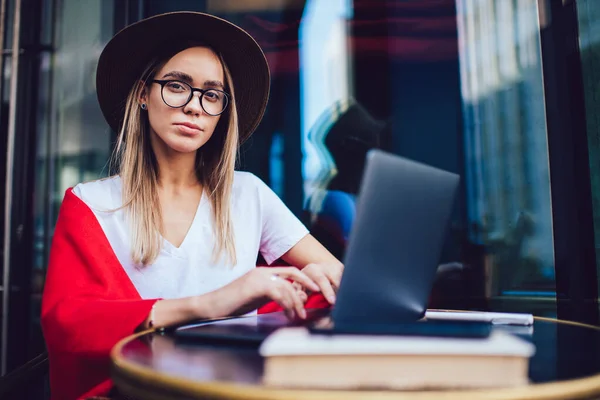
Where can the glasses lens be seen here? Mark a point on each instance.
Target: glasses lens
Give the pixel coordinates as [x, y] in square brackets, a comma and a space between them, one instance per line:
[214, 101]
[176, 94]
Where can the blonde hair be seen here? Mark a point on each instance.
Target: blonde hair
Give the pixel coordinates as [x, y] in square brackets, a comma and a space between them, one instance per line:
[136, 164]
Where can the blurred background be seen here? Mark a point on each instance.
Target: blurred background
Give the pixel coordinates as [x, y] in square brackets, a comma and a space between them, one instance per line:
[505, 93]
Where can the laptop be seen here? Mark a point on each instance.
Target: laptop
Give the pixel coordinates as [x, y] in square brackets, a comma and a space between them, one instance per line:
[402, 216]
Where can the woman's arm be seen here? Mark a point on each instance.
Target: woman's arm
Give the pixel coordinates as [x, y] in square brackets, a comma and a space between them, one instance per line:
[309, 251]
[283, 236]
[241, 296]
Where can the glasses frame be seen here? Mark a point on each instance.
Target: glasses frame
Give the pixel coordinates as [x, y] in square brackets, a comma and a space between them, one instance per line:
[163, 82]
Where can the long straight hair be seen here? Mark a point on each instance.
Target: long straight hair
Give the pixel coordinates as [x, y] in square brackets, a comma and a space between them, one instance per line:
[135, 162]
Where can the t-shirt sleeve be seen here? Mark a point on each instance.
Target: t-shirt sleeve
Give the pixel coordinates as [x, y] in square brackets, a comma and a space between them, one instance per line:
[281, 229]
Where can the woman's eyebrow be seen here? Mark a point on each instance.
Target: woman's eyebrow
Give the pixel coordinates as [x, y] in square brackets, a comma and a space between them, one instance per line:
[182, 76]
[214, 84]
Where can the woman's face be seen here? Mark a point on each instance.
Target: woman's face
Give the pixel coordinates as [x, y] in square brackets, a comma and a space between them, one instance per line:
[187, 128]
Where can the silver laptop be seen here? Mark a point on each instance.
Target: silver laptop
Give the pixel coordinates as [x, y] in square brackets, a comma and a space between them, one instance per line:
[402, 216]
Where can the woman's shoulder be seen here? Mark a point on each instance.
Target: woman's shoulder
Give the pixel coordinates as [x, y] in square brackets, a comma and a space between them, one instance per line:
[246, 185]
[244, 180]
[102, 193]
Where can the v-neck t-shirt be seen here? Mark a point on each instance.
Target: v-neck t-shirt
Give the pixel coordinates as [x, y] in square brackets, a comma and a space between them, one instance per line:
[261, 223]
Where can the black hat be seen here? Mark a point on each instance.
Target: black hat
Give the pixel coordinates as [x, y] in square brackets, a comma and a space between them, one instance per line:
[127, 54]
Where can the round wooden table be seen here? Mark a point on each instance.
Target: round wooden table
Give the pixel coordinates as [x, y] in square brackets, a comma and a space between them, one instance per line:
[152, 365]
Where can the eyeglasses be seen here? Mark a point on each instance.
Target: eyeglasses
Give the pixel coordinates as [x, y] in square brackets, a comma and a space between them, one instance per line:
[177, 94]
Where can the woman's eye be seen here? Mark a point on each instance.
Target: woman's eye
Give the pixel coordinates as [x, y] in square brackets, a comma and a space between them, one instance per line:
[176, 87]
[212, 96]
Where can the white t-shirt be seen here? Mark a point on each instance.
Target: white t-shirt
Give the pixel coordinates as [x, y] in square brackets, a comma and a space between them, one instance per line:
[261, 222]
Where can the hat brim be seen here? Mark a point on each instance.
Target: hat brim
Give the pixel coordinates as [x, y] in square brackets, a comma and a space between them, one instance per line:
[124, 58]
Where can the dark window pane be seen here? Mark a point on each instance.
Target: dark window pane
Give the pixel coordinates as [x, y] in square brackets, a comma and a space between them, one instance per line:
[589, 40]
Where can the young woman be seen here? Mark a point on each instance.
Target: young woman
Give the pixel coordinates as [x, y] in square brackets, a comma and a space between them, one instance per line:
[175, 235]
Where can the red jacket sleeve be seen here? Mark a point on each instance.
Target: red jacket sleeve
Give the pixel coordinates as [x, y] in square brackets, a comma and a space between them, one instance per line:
[89, 304]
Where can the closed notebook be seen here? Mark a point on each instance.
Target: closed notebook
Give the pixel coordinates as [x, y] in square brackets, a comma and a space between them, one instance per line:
[296, 358]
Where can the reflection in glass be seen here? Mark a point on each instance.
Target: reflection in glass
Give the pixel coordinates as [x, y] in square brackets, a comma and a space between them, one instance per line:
[501, 153]
[325, 81]
[507, 175]
[73, 140]
[588, 15]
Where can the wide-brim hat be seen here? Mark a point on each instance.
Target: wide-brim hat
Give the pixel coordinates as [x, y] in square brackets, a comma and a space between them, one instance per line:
[128, 53]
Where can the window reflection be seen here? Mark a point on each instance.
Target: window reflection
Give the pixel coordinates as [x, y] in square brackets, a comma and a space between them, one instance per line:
[506, 157]
[588, 15]
[73, 138]
[325, 79]
[504, 237]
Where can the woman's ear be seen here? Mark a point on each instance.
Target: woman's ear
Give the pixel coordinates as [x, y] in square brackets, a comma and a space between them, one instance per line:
[143, 94]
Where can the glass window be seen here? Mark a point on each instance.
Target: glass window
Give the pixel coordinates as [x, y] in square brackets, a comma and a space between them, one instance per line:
[73, 139]
[506, 151]
[77, 145]
[588, 13]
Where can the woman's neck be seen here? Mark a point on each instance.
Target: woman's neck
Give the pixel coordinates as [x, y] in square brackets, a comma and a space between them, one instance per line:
[176, 171]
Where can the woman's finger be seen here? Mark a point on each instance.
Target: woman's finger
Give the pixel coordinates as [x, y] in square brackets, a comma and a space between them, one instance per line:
[279, 295]
[287, 297]
[298, 304]
[334, 274]
[323, 281]
[297, 276]
[300, 291]
[302, 295]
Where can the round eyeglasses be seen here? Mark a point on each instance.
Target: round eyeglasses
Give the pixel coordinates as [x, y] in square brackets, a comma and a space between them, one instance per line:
[177, 94]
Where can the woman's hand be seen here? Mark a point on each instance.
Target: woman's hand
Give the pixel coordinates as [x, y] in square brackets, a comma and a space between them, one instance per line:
[262, 284]
[319, 265]
[327, 276]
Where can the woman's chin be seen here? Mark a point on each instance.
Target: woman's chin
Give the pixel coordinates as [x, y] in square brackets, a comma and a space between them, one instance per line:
[184, 146]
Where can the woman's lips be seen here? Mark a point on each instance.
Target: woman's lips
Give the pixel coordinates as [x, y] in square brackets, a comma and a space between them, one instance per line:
[188, 128]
